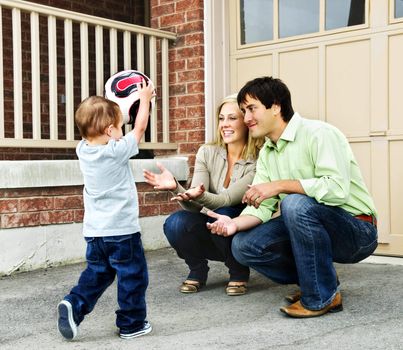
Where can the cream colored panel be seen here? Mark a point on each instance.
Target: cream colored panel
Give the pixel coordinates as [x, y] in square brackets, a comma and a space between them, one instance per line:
[299, 70]
[396, 188]
[252, 67]
[348, 87]
[362, 153]
[395, 84]
[380, 188]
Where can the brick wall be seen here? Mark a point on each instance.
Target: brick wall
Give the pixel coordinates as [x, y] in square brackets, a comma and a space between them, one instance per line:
[62, 205]
[186, 66]
[40, 206]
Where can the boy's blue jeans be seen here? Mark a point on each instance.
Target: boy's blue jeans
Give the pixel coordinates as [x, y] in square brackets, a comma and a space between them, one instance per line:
[122, 256]
[301, 245]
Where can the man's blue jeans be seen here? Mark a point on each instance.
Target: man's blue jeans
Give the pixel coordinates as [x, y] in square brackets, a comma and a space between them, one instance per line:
[122, 256]
[301, 245]
[187, 233]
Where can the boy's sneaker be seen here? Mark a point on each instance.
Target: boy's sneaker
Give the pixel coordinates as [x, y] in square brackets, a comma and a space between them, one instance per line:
[65, 323]
[147, 328]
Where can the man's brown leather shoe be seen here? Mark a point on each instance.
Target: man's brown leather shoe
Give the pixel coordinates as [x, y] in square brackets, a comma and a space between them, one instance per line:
[293, 298]
[298, 311]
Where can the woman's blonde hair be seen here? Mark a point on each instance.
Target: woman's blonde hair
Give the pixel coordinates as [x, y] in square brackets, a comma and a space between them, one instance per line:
[95, 114]
[252, 146]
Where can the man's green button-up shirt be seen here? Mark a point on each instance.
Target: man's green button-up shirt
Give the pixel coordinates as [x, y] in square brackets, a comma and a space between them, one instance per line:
[320, 157]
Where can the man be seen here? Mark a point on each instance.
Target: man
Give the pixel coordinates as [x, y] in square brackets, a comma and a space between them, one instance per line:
[306, 168]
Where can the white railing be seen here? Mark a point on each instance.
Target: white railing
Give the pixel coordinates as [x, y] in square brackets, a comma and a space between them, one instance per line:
[40, 112]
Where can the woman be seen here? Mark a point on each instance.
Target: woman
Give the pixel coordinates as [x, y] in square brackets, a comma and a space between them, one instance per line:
[223, 170]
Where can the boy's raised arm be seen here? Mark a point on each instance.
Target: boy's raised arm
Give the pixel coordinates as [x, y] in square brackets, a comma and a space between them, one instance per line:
[146, 92]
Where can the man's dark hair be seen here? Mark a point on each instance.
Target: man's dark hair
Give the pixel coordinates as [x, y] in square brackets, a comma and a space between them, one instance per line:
[268, 91]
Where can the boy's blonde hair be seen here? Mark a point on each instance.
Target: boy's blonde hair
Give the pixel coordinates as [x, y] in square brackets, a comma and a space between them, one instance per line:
[252, 146]
[95, 114]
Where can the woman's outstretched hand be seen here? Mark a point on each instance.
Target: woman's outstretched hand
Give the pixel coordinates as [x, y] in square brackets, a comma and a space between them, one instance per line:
[163, 181]
[191, 193]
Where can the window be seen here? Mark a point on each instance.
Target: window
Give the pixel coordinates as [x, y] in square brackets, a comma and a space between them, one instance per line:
[298, 17]
[259, 22]
[344, 13]
[398, 8]
[256, 21]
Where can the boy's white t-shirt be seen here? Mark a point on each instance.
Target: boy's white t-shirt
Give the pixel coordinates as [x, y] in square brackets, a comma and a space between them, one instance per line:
[110, 194]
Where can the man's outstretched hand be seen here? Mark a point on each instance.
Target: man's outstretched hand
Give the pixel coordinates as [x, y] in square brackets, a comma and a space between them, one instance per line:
[223, 226]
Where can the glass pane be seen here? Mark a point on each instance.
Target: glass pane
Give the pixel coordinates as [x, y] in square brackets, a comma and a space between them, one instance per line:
[344, 13]
[298, 17]
[398, 8]
[256, 21]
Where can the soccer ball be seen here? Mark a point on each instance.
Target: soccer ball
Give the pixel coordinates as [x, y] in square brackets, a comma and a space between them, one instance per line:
[122, 89]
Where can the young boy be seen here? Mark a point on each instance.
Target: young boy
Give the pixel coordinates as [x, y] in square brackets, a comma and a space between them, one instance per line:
[110, 226]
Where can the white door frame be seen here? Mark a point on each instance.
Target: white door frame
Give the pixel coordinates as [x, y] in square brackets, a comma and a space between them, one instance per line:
[216, 60]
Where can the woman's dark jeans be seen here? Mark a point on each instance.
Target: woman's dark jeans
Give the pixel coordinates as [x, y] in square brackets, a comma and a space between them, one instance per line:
[187, 233]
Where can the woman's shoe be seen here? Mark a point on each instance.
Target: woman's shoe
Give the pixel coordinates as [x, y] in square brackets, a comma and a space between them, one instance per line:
[191, 286]
[237, 289]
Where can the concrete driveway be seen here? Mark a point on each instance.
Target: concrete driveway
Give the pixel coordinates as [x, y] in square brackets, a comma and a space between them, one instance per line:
[372, 316]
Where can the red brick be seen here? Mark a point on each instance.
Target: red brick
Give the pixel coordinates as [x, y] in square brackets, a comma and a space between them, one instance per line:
[177, 65]
[191, 75]
[178, 113]
[195, 87]
[185, 5]
[56, 217]
[173, 102]
[194, 15]
[189, 148]
[35, 204]
[140, 198]
[196, 26]
[195, 136]
[194, 63]
[20, 220]
[177, 89]
[179, 136]
[166, 209]
[143, 187]
[172, 20]
[194, 39]
[185, 52]
[190, 124]
[8, 206]
[155, 197]
[69, 202]
[163, 10]
[191, 159]
[192, 112]
[149, 210]
[78, 215]
[189, 100]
